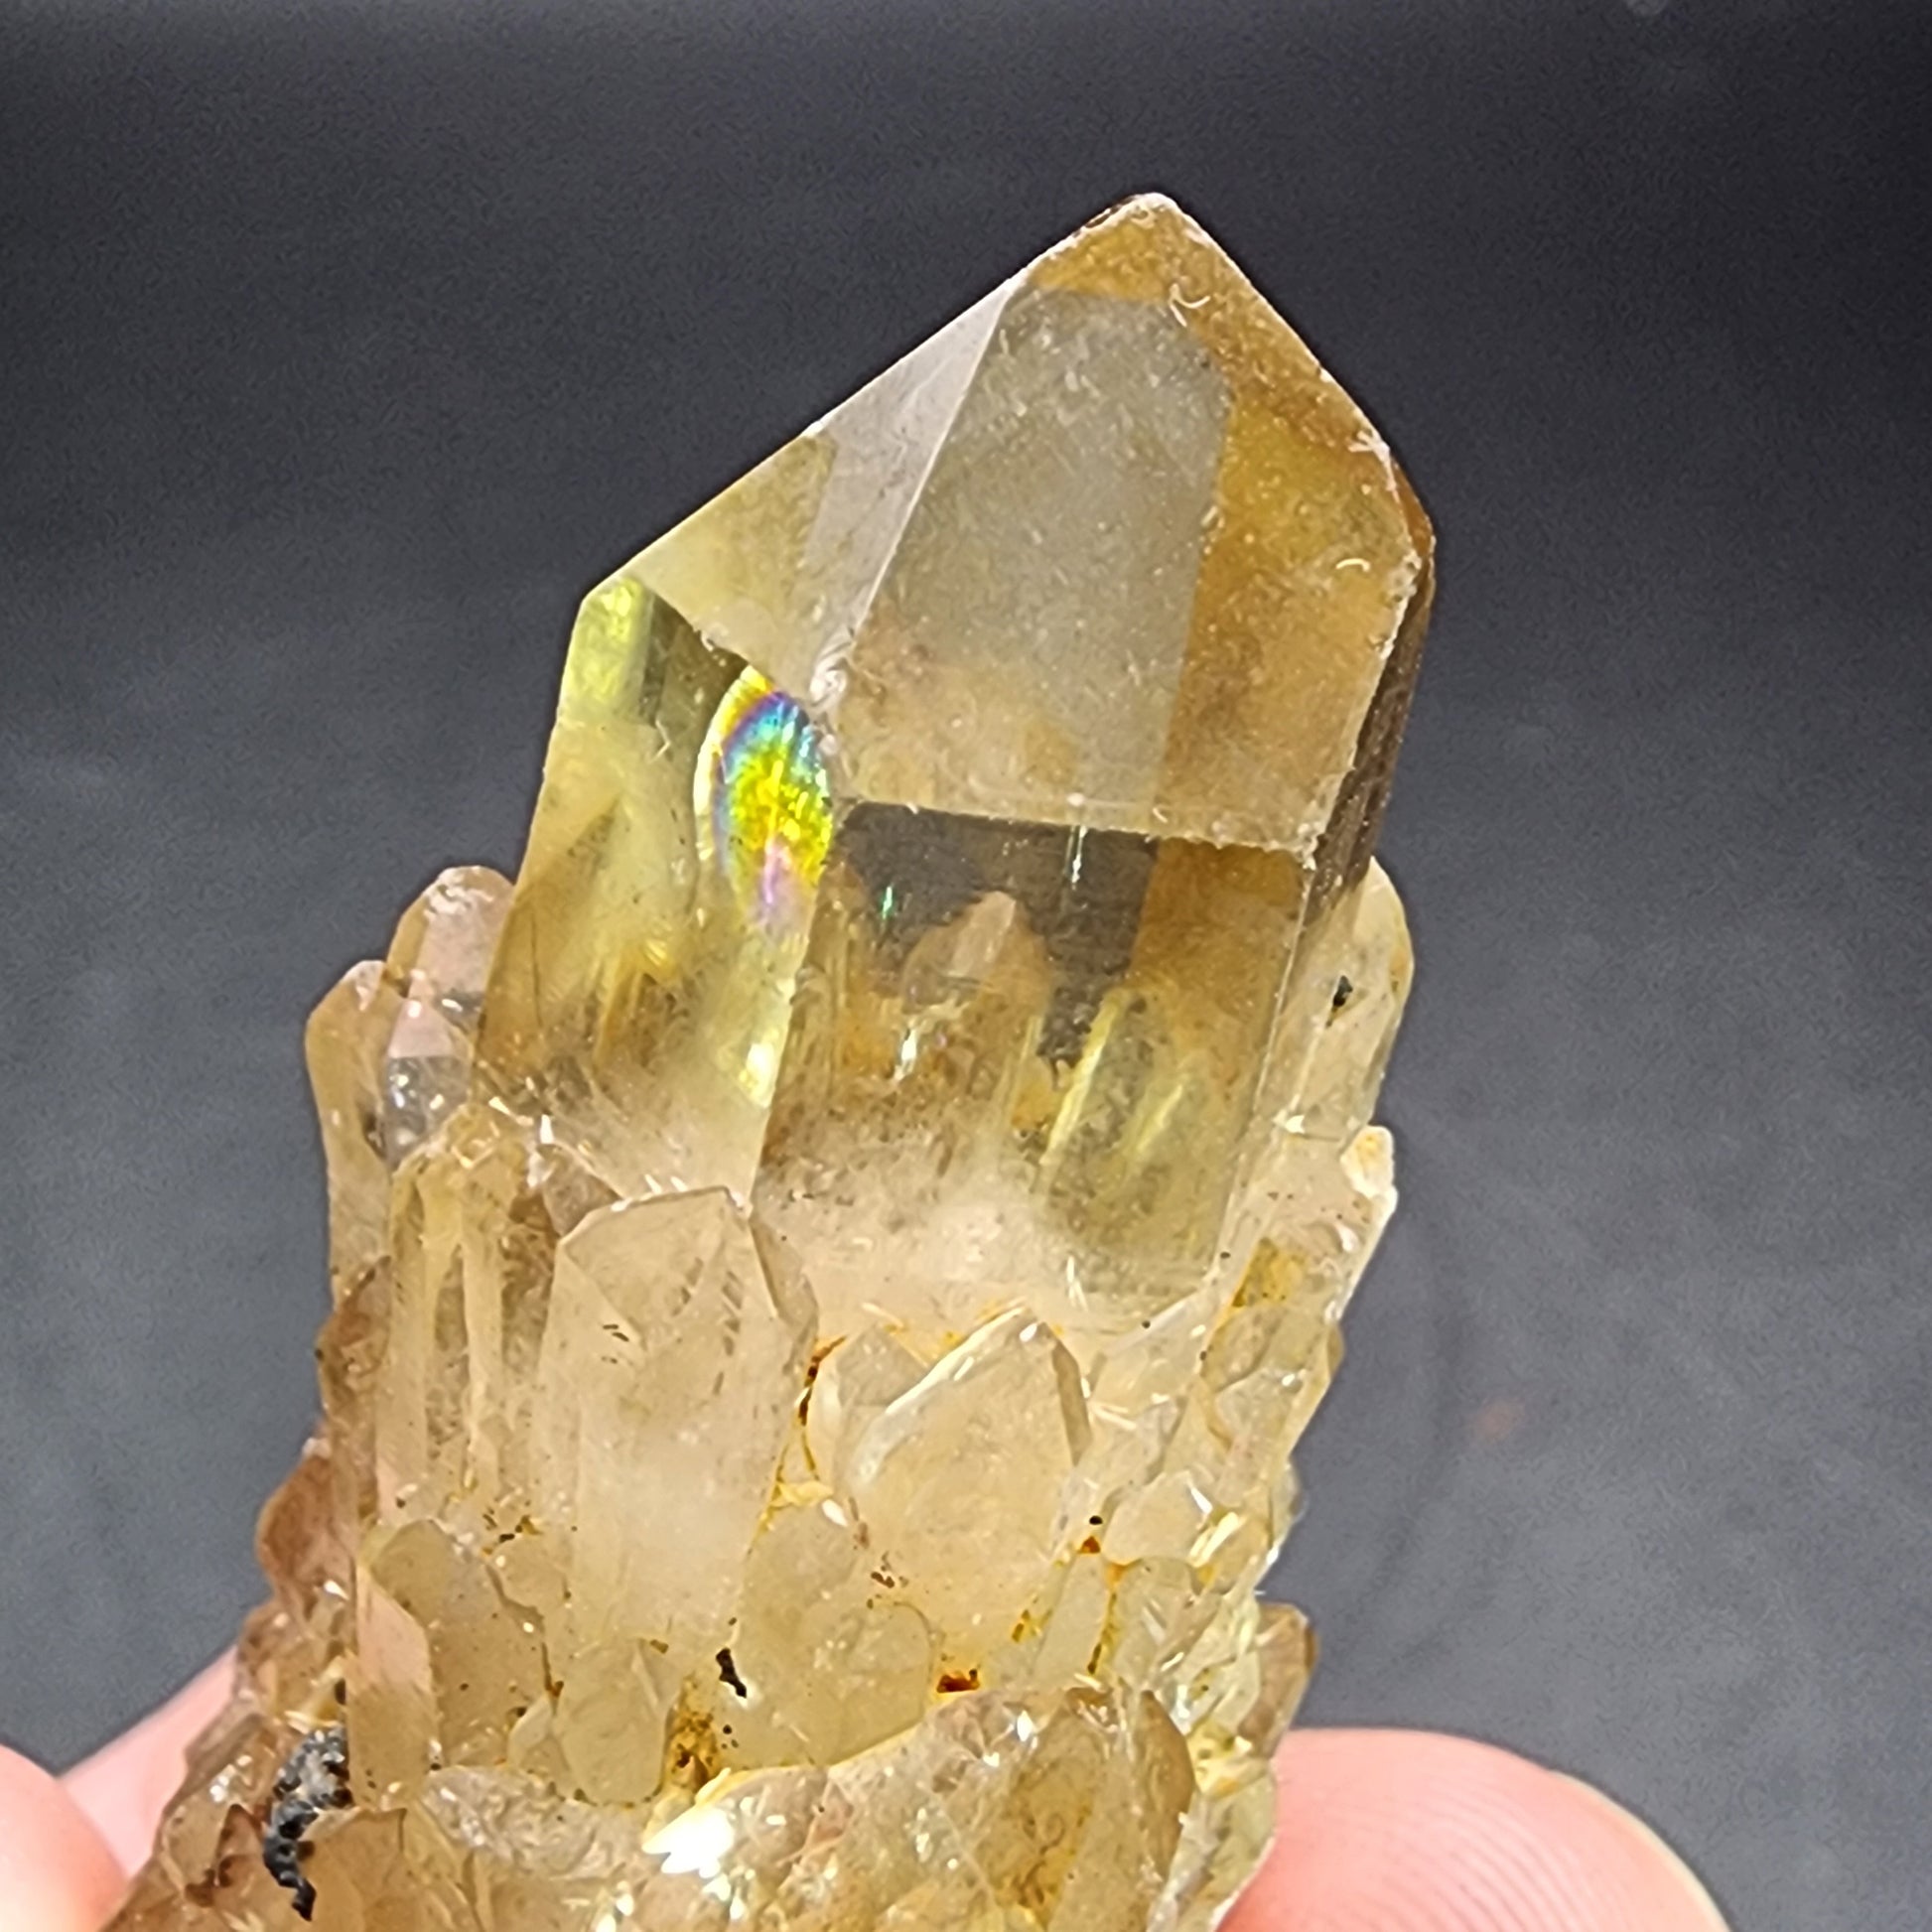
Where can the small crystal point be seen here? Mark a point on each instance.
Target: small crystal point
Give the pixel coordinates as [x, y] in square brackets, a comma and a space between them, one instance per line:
[830, 1265]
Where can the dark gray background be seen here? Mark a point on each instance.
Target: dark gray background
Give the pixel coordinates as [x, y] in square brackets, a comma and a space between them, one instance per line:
[341, 349]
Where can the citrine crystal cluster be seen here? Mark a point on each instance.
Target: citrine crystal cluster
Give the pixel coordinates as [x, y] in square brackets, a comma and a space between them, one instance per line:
[829, 1266]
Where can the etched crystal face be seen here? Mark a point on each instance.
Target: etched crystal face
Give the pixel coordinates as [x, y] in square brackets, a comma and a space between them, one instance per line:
[830, 1267]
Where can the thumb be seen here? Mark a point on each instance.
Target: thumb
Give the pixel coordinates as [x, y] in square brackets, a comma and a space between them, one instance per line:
[57, 1874]
[1432, 1834]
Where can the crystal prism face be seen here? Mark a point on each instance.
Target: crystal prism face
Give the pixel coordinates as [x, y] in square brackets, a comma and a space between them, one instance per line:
[830, 1265]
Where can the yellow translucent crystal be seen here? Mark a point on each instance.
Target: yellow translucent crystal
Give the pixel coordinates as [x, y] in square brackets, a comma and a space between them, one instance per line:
[829, 1268]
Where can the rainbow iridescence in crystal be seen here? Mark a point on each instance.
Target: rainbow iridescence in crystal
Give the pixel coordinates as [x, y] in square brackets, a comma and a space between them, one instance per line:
[765, 801]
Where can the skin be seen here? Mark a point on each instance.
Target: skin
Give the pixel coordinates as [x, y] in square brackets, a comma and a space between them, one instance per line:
[1381, 1830]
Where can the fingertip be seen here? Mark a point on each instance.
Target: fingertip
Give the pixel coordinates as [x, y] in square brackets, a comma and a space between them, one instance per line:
[57, 1874]
[124, 1787]
[1414, 1832]
[1650, 1843]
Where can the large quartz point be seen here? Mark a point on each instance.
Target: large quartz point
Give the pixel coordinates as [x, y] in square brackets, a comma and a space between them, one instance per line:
[829, 1266]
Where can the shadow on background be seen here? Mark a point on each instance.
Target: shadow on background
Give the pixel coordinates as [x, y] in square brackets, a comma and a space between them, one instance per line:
[338, 352]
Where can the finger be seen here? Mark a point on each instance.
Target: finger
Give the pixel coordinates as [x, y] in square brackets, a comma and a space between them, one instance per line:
[55, 1872]
[1386, 1831]
[124, 1785]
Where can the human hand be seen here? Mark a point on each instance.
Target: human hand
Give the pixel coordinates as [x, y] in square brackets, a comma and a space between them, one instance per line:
[1381, 1830]
[68, 1845]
